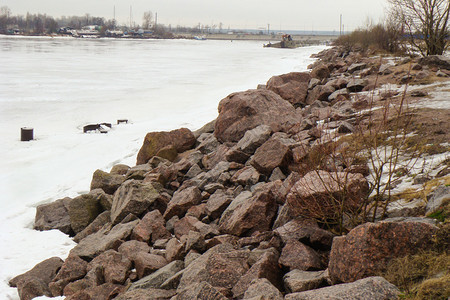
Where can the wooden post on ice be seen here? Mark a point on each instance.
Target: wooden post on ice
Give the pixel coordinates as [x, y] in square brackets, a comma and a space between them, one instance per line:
[26, 134]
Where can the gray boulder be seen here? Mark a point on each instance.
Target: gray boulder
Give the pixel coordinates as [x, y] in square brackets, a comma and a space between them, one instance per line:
[83, 210]
[221, 266]
[292, 87]
[342, 92]
[368, 249]
[240, 112]
[272, 154]
[133, 197]
[201, 291]
[262, 289]
[356, 85]
[436, 199]
[248, 216]
[172, 282]
[109, 183]
[182, 201]
[298, 281]
[296, 255]
[156, 279]
[356, 67]
[208, 143]
[212, 176]
[114, 265]
[105, 239]
[74, 268]
[207, 128]
[373, 288]
[35, 282]
[217, 203]
[147, 263]
[306, 231]
[266, 267]
[246, 176]
[54, 215]
[254, 138]
[313, 83]
[440, 61]
[193, 171]
[98, 223]
[151, 228]
[147, 294]
[385, 69]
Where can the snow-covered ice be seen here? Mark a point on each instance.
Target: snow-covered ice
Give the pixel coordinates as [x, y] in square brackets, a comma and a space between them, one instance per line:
[57, 85]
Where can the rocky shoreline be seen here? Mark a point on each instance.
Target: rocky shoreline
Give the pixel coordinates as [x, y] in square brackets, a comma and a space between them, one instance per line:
[253, 205]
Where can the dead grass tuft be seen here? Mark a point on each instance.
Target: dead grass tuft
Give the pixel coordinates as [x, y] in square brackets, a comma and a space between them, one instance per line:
[421, 276]
[422, 193]
[434, 289]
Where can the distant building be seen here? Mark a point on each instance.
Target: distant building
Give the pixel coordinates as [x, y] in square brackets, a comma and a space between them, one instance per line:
[66, 30]
[114, 33]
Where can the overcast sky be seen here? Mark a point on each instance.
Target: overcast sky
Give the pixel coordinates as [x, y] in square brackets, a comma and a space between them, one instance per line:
[248, 14]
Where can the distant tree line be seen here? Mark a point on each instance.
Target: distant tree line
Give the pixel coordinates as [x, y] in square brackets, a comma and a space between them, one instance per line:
[38, 24]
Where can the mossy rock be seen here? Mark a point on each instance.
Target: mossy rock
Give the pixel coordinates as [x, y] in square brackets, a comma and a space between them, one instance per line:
[133, 197]
[168, 152]
[180, 139]
[106, 181]
[104, 199]
[83, 210]
[119, 169]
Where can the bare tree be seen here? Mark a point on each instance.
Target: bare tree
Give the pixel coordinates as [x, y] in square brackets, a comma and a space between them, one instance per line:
[4, 10]
[5, 14]
[147, 20]
[425, 22]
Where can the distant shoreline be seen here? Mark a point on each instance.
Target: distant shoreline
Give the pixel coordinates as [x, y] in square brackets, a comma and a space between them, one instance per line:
[310, 38]
[306, 38]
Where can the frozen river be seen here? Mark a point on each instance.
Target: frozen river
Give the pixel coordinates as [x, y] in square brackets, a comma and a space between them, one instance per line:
[57, 85]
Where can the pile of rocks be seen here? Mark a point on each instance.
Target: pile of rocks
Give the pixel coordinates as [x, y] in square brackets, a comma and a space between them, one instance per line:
[224, 212]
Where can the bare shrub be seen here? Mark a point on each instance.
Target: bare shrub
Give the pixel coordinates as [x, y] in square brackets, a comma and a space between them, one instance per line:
[425, 23]
[377, 142]
[381, 37]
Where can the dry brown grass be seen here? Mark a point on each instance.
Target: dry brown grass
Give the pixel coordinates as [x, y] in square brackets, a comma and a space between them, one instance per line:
[425, 275]
[422, 193]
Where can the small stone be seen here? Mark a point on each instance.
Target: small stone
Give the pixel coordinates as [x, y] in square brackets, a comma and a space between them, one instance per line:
[296, 255]
[419, 93]
[156, 279]
[130, 248]
[299, 281]
[115, 266]
[147, 263]
[263, 289]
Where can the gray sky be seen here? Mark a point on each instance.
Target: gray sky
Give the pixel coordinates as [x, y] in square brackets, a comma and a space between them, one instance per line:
[281, 14]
